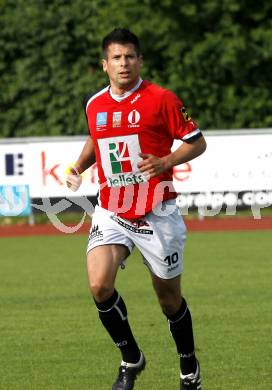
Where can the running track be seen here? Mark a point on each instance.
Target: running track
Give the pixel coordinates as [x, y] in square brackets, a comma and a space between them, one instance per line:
[208, 225]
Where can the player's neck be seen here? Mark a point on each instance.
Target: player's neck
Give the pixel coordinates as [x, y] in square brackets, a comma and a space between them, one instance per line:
[121, 91]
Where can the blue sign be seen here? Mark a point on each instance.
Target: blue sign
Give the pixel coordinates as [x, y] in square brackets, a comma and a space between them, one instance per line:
[101, 118]
[14, 200]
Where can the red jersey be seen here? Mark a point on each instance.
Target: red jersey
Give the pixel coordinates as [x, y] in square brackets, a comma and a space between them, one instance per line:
[146, 121]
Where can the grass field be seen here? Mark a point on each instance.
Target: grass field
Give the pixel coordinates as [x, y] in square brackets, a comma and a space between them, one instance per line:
[51, 337]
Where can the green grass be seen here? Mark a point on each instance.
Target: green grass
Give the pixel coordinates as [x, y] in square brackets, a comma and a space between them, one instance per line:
[51, 337]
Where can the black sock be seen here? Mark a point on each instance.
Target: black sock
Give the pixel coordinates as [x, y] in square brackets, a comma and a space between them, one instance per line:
[113, 315]
[181, 328]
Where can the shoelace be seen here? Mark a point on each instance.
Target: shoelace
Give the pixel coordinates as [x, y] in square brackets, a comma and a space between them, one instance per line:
[123, 374]
[123, 370]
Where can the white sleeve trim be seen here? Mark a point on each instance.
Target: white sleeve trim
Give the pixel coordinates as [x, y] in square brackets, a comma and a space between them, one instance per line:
[192, 134]
[94, 96]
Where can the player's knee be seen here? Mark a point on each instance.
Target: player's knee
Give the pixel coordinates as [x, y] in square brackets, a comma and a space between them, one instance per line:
[169, 306]
[101, 292]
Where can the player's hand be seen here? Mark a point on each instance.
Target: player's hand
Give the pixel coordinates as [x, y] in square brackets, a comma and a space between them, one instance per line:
[151, 165]
[73, 179]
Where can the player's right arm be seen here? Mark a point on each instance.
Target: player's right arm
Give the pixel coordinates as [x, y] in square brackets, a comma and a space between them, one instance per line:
[84, 161]
[86, 157]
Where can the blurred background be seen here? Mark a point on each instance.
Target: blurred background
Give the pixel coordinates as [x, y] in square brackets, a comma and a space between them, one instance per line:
[215, 55]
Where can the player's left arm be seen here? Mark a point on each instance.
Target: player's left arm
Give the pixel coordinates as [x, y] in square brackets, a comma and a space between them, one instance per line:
[153, 166]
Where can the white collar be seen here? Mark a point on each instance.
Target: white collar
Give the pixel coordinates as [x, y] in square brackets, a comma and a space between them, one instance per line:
[119, 98]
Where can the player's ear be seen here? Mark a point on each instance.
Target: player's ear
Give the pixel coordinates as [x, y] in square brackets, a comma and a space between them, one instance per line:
[104, 65]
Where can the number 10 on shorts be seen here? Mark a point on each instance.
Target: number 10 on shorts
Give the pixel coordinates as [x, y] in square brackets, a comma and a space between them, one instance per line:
[171, 259]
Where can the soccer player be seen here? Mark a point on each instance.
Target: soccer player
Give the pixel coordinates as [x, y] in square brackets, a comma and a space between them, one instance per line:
[132, 124]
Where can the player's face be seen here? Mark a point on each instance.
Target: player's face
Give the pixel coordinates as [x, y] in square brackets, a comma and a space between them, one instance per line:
[122, 65]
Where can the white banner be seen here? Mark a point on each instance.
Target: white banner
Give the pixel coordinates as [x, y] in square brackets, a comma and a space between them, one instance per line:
[44, 165]
[235, 162]
[230, 163]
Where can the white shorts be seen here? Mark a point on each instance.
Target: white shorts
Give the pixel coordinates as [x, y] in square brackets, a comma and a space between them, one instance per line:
[160, 239]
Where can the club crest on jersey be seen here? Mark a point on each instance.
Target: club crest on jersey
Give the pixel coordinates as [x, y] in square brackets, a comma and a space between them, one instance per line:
[101, 120]
[116, 119]
[134, 118]
[185, 114]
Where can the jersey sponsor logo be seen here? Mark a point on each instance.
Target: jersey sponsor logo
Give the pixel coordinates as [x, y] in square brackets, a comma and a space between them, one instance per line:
[135, 99]
[116, 119]
[134, 118]
[131, 226]
[125, 180]
[185, 114]
[120, 158]
[101, 120]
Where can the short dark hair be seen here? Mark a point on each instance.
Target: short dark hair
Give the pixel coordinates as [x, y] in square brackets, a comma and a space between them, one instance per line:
[122, 36]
